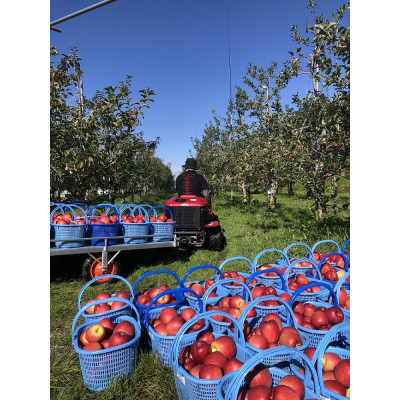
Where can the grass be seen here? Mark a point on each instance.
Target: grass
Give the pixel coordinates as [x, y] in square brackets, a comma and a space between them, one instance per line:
[248, 230]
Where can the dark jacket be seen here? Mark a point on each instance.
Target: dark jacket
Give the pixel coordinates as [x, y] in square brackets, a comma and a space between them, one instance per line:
[190, 182]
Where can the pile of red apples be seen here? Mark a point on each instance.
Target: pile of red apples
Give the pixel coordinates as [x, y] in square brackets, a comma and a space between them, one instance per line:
[105, 334]
[145, 296]
[111, 305]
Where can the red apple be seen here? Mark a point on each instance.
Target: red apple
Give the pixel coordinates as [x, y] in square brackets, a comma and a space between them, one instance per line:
[198, 288]
[295, 383]
[188, 313]
[236, 301]
[309, 309]
[328, 375]
[167, 314]
[216, 358]
[257, 291]
[282, 392]
[335, 386]
[95, 333]
[258, 393]
[108, 325]
[232, 365]
[82, 338]
[106, 343]
[251, 313]
[298, 307]
[102, 296]
[258, 376]
[197, 325]
[165, 299]
[90, 310]
[154, 292]
[119, 338]
[161, 329]
[126, 327]
[342, 372]
[290, 337]
[226, 345]
[199, 351]
[189, 364]
[319, 318]
[270, 330]
[342, 297]
[210, 372]
[301, 279]
[275, 317]
[335, 315]
[174, 325]
[258, 341]
[208, 283]
[101, 308]
[92, 346]
[298, 317]
[143, 299]
[117, 304]
[329, 361]
[206, 336]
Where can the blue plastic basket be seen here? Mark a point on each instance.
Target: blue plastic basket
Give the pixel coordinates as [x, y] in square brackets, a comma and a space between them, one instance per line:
[100, 368]
[103, 230]
[229, 386]
[193, 301]
[62, 233]
[124, 310]
[324, 242]
[346, 285]
[269, 280]
[223, 291]
[327, 344]
[288, 319]
[134, 229]
[316, 335]
[236, 289]
[161, 344]
[161, 228]
[308, 257]
[187, 386]
[322, 295]
[180, 299]
[264, 310]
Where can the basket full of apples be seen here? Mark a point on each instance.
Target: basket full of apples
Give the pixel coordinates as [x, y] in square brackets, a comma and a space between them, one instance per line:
[68, 222]
[200, 286]
[103, 221]
[260, 289]
[332, 267]
[262, 378]
[111, 302]
[229, 304]
[235, 288]
[269, 277]
[163, 325]
[200, 362]
[333, 366]
[107, 348]
[316, 318]
[161, 224]
[134, 222]
[142, 298]
[268, 331]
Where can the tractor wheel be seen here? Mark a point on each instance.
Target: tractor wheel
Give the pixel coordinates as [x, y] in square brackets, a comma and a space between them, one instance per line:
[217, 241]
[92, 269]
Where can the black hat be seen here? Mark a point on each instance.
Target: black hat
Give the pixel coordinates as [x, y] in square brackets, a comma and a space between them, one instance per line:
[190, 163]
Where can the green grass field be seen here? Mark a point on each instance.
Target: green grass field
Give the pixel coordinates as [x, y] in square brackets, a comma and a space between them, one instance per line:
[248, 230]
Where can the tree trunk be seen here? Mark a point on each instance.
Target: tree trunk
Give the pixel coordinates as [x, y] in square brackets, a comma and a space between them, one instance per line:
[122, 196]
[272, 194]
[320, 199]
[290, 188]
[86, 194]
[244, 192]
[334, 186]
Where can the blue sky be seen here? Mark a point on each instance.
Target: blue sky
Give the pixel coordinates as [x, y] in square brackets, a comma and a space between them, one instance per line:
[180, 49]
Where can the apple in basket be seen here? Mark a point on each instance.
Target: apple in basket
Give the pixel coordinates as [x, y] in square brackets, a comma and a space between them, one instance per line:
[295, 383]
[95, 333]
[259, 376]
[119, 338]
[125, 327]
[210, 372]
[226, 345]
[143, 300]
[93, 346]
[90, 310]
[167, 314]
[108, 326]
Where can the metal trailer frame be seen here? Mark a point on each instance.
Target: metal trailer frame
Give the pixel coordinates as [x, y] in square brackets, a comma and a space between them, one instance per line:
[104, 249]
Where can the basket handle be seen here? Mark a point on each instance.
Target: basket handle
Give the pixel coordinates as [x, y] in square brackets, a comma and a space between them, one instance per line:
[254, 302]
[96, 278]
[325, 241]
[53, 211]
[201, 267]
[293, 263]
[236, 258]
[239, 335]
[222, 282]
[70, 207]
[235, 384]
[269, 251]
[310, 253]
[158, 207]
[340, 282]
[345, 259]
[283, 286]
[345, 245]
[161, 271]
[170, 291]
[109, 206]
[324, 343]
[132, 210]
[94, 303]
[314, 284]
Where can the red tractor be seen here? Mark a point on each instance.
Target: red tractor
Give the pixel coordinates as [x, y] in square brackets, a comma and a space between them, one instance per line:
[195, 225]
